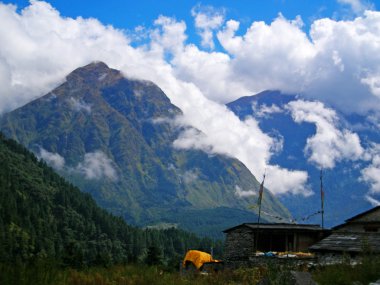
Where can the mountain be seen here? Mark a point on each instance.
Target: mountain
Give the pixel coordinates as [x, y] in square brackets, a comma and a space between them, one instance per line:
[341, 184]
[113, 137]
[43, 216]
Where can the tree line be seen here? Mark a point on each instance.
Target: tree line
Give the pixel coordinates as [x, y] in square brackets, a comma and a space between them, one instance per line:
[44, 216]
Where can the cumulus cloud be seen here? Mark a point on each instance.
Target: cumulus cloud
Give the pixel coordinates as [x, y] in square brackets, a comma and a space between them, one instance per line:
[285, 181]
[329, 144]
[274, 56]
[336, 62]
[371, 174]
[207, 19]
[96, 165]
[53, 159]
[171, 35]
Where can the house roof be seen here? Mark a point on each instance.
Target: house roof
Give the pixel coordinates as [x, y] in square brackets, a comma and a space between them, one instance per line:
[348, 242]
[352, 219]
[277, 226]
[363, 214]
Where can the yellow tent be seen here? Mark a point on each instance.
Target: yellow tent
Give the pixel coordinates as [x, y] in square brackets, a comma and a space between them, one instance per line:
[198, 258]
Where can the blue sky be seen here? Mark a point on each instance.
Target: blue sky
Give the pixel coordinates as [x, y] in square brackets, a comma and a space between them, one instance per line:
[130, 14]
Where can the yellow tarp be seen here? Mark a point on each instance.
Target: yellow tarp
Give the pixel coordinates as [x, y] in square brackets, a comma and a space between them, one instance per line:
[198, 258]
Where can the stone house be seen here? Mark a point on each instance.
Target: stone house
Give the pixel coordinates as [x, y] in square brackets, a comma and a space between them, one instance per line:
[358, 234]
[244, 240]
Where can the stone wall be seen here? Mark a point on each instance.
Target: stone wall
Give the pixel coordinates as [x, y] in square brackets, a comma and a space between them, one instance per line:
[239, 245]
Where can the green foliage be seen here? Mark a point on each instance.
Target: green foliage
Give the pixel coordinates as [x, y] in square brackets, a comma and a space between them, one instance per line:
[36, 272]
[154, 255]
[42, 216]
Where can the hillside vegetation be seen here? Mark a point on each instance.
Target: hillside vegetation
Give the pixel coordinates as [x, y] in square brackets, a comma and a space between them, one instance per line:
[44, 217]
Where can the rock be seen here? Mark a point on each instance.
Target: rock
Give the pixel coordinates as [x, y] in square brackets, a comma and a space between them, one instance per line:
[302, 278]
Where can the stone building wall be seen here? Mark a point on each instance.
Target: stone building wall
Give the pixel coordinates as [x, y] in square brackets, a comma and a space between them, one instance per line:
[239, 245]
[304, 241]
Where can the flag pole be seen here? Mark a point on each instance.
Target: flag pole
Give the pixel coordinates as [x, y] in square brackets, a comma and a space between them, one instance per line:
[322, 199]
[259, 216]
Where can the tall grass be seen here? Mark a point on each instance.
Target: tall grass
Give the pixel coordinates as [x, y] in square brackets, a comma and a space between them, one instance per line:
[37, 272]
[45, 272]
[342, 274]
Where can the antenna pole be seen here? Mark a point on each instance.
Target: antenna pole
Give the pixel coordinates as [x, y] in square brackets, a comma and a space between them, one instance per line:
[322, 199]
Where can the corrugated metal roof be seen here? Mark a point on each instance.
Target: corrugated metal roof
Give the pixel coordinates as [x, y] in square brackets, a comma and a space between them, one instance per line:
[348, 242]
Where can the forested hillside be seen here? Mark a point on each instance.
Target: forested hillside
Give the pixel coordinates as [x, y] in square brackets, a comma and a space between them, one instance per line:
[41, 215]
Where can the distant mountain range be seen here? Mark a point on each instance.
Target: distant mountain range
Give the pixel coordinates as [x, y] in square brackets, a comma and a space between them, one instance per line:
[113, 137]
[344, 190]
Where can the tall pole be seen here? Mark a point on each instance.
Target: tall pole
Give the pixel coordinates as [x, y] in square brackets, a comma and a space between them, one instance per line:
[322, 199]
[259, 216]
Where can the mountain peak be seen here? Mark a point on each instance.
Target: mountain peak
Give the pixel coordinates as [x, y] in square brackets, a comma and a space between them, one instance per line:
[96, 66]
[96, 72]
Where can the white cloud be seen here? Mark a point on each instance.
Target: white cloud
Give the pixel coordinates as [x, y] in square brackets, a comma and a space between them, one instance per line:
[78, 105]
[207, 19]
[240, 139]
[265, 110]
[274, 56]
[371, 173]
[357, 6]
[353, 43]
[244, 193]
[329, 144]
[39, 47]
[337, 62]
[171, 37]
[96, 165]
[374, 202]
[285, 181]
[53, 159]
[189, 176]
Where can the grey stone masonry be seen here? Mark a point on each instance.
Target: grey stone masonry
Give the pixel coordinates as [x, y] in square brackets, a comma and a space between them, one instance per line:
[239, 245]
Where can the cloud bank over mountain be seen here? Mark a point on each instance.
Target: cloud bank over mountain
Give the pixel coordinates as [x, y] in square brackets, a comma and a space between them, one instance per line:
[329, 144]
[336, 62]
